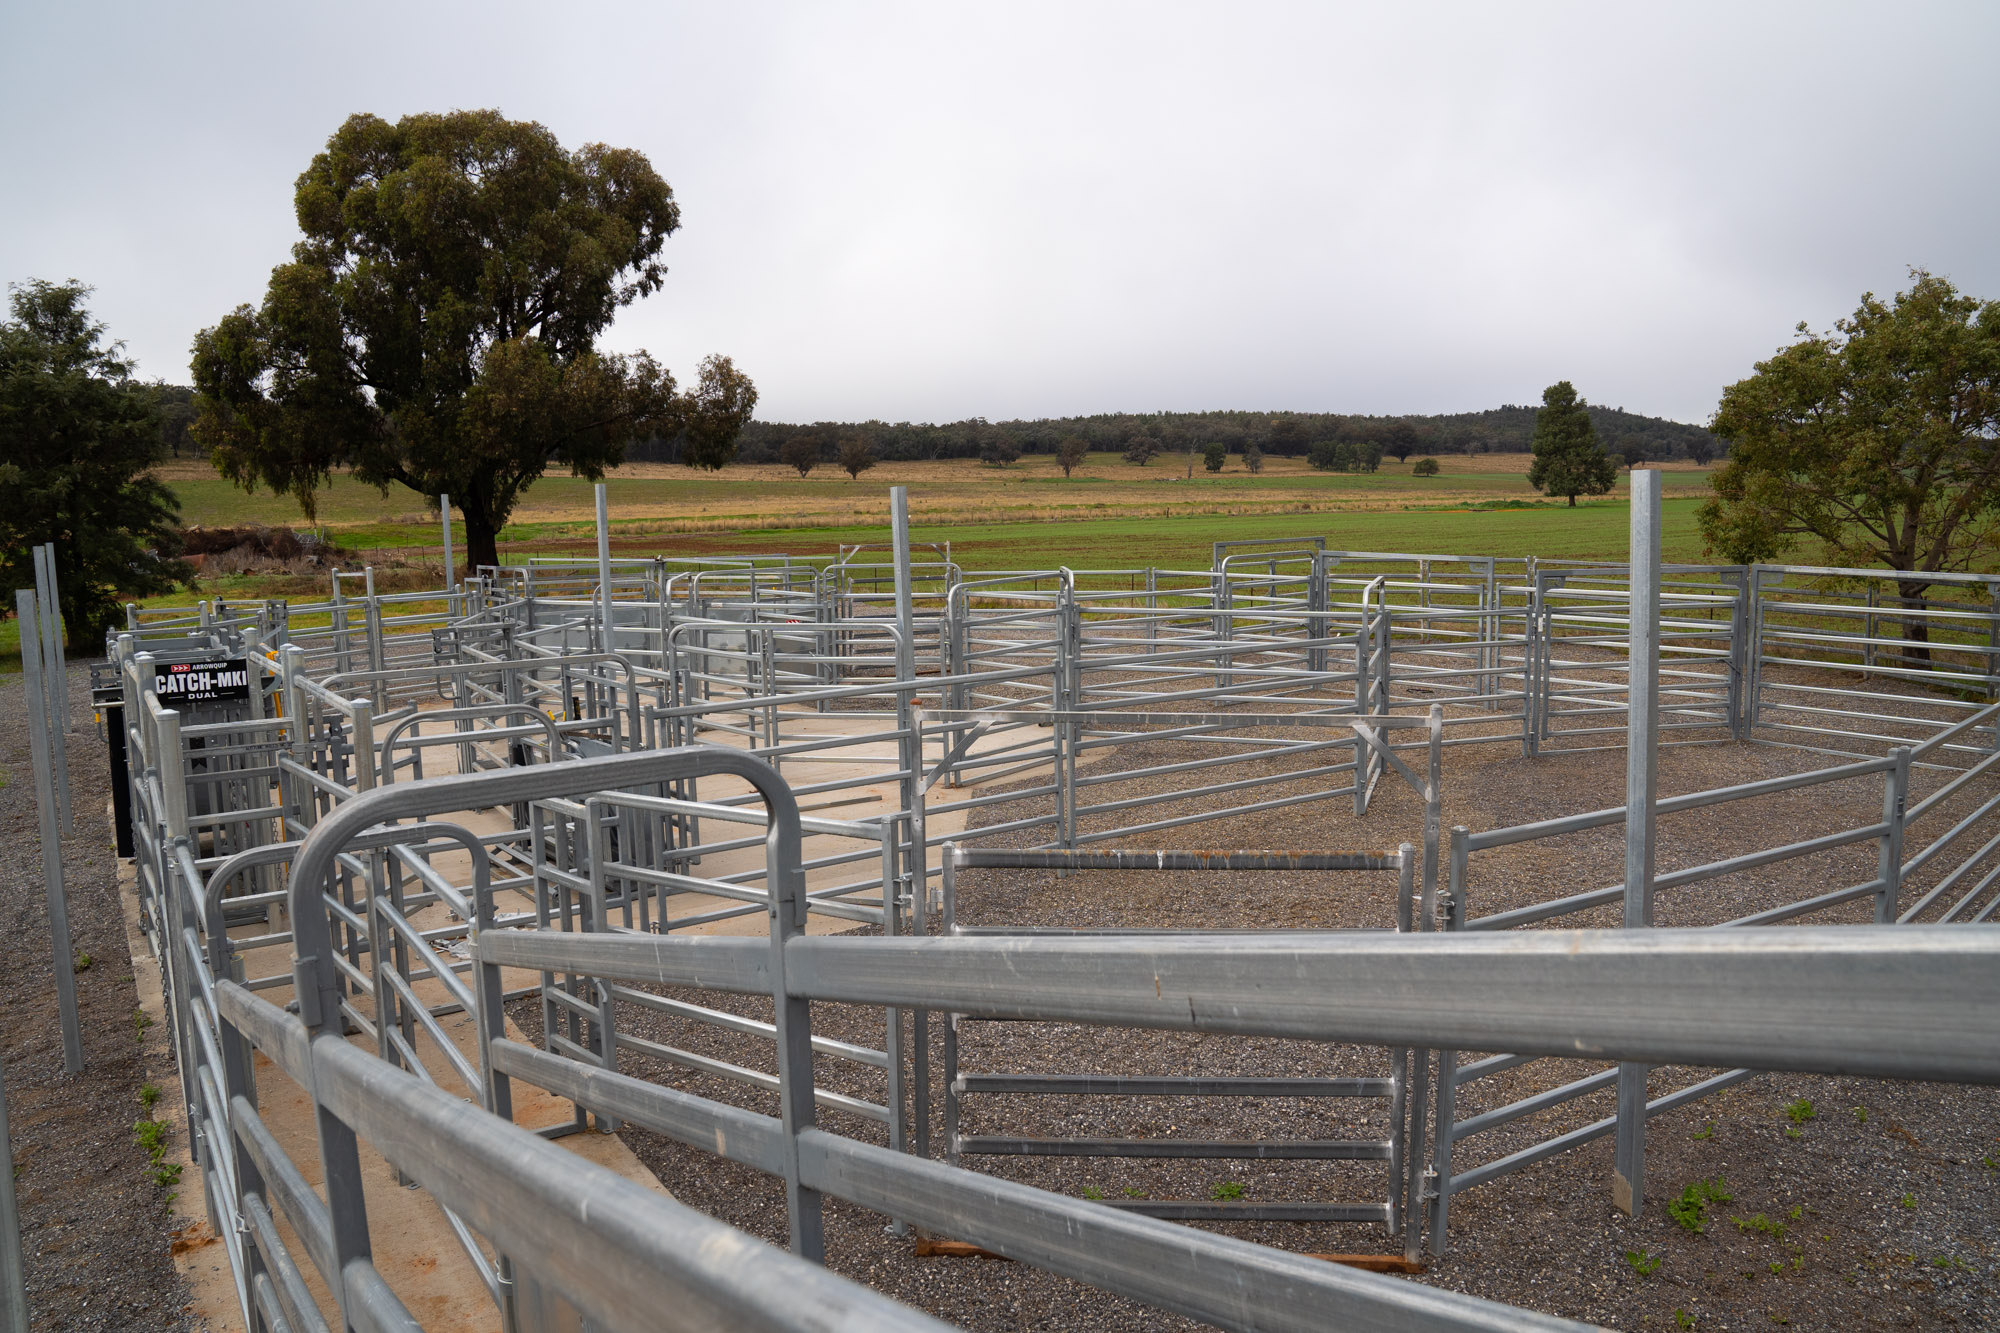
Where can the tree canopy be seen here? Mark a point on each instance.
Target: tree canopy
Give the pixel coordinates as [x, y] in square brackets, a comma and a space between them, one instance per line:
[1879, 441]
[1568, 460]
[81, 437]
[436, 325]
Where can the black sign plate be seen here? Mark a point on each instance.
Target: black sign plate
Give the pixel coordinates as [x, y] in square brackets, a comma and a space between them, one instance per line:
[204, 682]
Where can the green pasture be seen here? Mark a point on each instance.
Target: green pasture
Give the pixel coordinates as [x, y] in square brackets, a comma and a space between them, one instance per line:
[1590, 531]
[758, 501]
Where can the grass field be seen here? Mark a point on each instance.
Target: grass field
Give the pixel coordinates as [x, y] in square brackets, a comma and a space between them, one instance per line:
[1110, 513]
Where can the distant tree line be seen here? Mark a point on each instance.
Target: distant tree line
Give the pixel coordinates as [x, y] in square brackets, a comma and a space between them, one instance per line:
[1331, 440]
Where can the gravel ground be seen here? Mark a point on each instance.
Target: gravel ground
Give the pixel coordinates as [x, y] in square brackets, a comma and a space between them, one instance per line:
[94, 1227]
[1874, 1208]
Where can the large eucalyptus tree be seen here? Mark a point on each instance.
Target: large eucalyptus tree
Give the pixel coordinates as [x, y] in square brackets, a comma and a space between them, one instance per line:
[437, 323]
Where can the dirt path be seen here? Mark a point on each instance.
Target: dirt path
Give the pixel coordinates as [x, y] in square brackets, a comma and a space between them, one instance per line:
[94, 1225]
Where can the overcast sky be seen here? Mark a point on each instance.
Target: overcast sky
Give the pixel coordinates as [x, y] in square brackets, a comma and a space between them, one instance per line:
[930, 212]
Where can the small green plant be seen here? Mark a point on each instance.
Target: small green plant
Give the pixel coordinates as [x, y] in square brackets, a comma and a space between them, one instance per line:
[1092, 1192]
[1861, 1115]
[1989, 1163]
[1777, 1265]
[141, 1020]
[1792, 1132]
[149, 1094]
[1226, 1191]
[1798, 1261]
[1132, 1193]
[1910, 1202]
[1798, 1212]
[152, 1136]
[1642, 1263]
[1800, 1111]
[82, 963]
[1759, 1223]
[1683, 1318]
[1690, 1210]
[1706, 1133]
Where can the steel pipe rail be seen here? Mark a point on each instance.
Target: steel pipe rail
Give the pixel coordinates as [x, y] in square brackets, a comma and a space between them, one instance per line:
[1218, 1279]
[1915, 1002]
[620, 1253]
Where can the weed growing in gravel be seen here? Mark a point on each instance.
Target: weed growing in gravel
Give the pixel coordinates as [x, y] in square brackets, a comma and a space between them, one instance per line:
[1861, 1115]
[149, 1093]
[1707, 1133]
[1683, 1318]
[1760, 1223]
[1690, 1210]
[1989, 1163]
[141, 1020]
[1131, 1193]
[82, 963]
[1777, 1265]
[1092, 1192]
[1226, 1191]
[1910, 1202]
[1792, 1132]
[1800, 1111]
[152, 1136]
[1642, 1263]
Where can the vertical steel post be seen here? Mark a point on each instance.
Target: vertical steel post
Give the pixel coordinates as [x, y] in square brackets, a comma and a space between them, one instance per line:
[1433, 810]
[13, 1276]
[1889, 865]
[785, 878]
[444, 521]
[1438, 1197]
[1739, 658]
[1641, 779]
[59, 637]
[603, 571]
[55, 677]
[40, 724]
[899, 523]
[916, 857]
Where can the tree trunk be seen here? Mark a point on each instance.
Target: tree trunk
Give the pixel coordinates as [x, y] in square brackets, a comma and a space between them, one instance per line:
[482, 537]
[1572, 502]
[1917, 629]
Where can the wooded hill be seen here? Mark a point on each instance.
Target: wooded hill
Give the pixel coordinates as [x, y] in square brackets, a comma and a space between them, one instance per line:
[1506, 429]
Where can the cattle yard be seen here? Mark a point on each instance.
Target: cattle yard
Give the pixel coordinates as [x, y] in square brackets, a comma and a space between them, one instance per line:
[1007, 910]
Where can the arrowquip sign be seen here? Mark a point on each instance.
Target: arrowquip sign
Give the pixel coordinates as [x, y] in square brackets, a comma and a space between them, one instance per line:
[200, 682]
